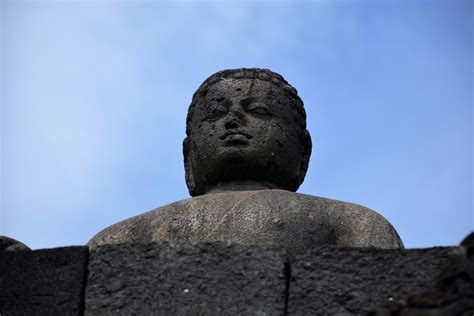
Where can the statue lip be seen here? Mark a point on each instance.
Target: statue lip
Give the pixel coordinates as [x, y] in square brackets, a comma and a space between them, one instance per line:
[229, 133]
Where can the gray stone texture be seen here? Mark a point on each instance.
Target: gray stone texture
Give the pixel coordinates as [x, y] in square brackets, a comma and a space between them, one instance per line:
[294, 221]
[246, 124]
[224, 278]
[43, 282]
[246, 152]
[353, 281]
[452, 294]
[170, 278]
[10, 244]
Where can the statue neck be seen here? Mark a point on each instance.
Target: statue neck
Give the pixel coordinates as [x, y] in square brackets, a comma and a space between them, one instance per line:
[242, 185]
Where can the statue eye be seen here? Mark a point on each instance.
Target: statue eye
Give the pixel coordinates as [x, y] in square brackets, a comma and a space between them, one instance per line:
[216, 112]
[259, 109]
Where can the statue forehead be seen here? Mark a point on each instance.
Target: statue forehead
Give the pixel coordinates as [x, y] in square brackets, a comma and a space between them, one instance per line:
[226, 88]
[242, 87]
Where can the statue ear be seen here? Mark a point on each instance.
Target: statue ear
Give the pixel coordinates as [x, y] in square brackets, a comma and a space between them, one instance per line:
[306, 153]
[188, 166]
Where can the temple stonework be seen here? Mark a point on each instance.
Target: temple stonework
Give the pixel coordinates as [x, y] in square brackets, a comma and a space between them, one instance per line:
[246, 152]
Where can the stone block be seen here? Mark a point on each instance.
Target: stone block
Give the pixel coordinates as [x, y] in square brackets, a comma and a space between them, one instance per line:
[176, 278]
[335, 281]
[43, 282]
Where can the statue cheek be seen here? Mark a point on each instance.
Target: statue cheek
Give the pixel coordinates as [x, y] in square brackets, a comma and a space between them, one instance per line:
[280, 133]
[204, 148]
[207, 130]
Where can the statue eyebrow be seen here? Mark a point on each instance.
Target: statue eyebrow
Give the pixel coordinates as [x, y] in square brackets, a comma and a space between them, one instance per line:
[212, 105]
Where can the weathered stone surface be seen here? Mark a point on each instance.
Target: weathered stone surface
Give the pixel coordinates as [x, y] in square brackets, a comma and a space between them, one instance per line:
[43, 282]
[246, 151]
[245, 125]
[294, 221]
[452, 294]
[184, 278]
[10, 244]
[352, 281]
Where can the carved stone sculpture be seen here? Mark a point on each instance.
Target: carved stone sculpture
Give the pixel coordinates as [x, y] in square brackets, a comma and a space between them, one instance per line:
[246, 152]
[10, 244]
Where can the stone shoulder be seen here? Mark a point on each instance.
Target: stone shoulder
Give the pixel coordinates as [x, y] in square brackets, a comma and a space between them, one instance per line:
[134, 229]
[128, 230]
[364, 226]
[353, 225]
[359, 226]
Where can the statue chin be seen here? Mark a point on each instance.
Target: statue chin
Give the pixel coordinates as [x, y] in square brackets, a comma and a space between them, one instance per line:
[233, 165]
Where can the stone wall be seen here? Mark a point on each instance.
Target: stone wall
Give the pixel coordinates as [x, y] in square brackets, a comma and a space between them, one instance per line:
[219, 278]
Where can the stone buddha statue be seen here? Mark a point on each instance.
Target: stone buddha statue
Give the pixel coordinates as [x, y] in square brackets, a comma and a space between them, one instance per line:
[246, 152]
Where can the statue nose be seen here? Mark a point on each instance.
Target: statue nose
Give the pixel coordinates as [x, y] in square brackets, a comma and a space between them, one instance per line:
[234, 119]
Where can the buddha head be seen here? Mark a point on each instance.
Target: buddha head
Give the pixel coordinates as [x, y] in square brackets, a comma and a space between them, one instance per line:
[246, 124]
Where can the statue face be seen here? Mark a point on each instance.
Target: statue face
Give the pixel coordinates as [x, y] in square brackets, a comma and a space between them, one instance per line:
[244, 129]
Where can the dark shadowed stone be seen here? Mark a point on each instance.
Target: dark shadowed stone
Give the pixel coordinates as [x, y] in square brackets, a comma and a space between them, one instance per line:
[245, 125]
[452, 294]
[43, 282]
[352, 281]
[170, 278]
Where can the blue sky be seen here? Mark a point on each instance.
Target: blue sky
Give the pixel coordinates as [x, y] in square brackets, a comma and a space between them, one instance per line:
[95, 94]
